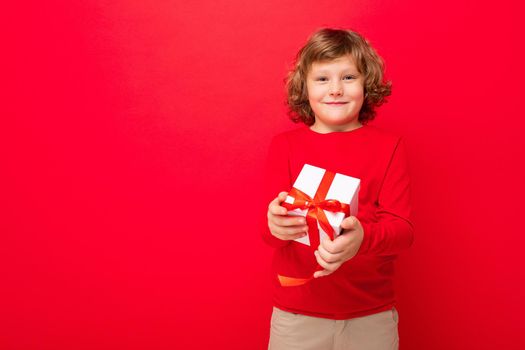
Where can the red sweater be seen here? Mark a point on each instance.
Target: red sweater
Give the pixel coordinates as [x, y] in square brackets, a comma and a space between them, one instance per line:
[364, 284]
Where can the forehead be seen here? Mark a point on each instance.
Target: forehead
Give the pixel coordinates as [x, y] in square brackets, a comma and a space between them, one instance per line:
[341, 63]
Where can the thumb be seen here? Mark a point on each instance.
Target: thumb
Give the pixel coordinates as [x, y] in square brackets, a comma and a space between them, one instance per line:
[349, 223]
[282, 196]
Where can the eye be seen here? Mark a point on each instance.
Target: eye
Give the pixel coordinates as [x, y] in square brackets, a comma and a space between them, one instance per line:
[348, 77]
[321, 79]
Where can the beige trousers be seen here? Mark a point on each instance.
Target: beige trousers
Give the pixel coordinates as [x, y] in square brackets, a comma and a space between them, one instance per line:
[291, 331]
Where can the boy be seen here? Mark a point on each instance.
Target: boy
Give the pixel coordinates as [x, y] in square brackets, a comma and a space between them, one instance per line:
[334, 87]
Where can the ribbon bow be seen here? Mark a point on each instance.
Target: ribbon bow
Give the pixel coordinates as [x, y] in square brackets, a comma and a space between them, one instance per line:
[316, 207]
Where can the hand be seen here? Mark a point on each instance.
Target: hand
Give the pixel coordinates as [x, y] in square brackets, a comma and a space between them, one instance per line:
[332, 254]
[282, 225]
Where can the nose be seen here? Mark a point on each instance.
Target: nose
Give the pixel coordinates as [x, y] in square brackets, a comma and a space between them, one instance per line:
[336, 88]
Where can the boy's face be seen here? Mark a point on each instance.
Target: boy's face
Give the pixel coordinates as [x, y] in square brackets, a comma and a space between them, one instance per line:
[336, 94]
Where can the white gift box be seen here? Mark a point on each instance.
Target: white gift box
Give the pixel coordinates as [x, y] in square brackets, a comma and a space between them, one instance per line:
[343, 188]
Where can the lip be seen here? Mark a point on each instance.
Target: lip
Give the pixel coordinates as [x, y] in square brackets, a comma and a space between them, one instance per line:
[336, 103]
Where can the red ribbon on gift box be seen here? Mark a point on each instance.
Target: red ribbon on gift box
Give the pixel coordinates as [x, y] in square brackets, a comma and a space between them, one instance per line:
[315, 214]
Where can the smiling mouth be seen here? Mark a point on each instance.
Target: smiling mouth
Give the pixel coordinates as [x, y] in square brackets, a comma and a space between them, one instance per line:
[336, 103]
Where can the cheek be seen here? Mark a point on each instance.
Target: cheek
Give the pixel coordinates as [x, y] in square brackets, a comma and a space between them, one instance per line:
[357, 94]
[314, 93]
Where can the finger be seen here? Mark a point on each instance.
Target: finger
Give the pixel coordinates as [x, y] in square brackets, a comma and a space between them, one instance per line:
[331, 246]
[288, 237]
[327, 256]
[343, 241]
[325, 271]
[289, 220]
[293, 230]
[325, 265]
[349, 223]
[322, 273]
[275, 207]
[282, 196]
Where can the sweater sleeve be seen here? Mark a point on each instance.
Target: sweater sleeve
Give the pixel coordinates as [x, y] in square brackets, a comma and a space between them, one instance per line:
[391, 230]
[276, 179]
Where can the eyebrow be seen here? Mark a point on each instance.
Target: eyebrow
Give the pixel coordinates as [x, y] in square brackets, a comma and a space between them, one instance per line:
[324, 71]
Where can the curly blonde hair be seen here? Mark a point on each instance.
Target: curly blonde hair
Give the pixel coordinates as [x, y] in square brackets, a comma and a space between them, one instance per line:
[328, 44]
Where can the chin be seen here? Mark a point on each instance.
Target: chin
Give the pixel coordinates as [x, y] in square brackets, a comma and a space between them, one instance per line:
[342, 121]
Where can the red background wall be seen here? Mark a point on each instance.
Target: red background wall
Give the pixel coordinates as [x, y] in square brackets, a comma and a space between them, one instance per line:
[133, 132]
